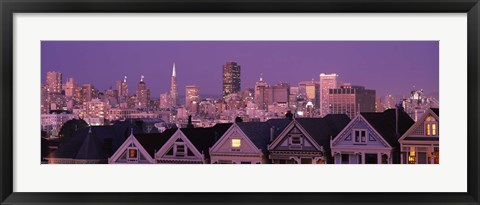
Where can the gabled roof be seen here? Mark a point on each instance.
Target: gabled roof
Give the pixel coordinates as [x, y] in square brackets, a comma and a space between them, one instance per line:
[259, 132]
[204, 138]
[102, 142]
[436, 111]
[385, 124]
[152, 142]
[323, 129]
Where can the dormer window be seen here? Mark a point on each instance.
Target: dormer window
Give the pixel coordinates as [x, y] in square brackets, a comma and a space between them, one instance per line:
[236, 143]
[132, 154]
[180, 150]
[431, 126]
[360, 136]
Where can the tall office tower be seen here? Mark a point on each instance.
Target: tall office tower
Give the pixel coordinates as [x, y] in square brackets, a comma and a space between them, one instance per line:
[89, 92]
[192, 97]
[45, 100]
[173, 88]
[312, 93]
[231, 78]
[122, 88]
[143, 95]
[327, 82]
[70, 87]
[165, 101]
[54, 82]
[280, 93]
[351, 100]
[260, 94]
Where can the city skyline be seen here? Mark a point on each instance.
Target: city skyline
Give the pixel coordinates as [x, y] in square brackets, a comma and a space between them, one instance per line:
[392, 67]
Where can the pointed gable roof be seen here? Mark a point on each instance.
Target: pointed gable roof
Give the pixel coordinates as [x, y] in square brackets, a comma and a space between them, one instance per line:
[204, 138]
[323, 129]
[152, 142]
[419, 125]
[384, 124]
[259, 132]
[91, 148]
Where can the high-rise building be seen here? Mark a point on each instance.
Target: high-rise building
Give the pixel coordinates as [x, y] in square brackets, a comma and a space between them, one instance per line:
[173, 88]
[165, 101]
[54, 82]
[281, 93]
[231, 78]
[312, 93]
[70, 87]
[351, 100]
[89, 92]
[143, 95]
[260, 94]
[122, 89]
[192, 97]
[327, 82]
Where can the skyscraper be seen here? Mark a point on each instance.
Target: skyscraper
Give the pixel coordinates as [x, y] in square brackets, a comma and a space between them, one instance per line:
[173, 88]
[231, 78]
[89, 92]
[143, 95]
[122, 88]
[351, 100]
[54, 82]
[192, 97]
[260, 94]
[327, 82]
[70, 87]
[312, 93]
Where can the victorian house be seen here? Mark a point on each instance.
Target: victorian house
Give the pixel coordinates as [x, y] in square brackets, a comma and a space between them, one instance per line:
[371, 138]
[246, 142]
[190, 145]
[420, 144]
[306, 140]
[141, 148]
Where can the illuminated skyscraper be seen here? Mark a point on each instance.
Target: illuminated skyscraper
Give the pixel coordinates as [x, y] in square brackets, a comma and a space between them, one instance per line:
[122, 88]
[192, 97]
[173, 88]
[260, 94]
[143, 95]
[351, 100]
[54, 82]
[327, 82]
[312, 93]
[89, 92]
[231, 78]
[70, 87]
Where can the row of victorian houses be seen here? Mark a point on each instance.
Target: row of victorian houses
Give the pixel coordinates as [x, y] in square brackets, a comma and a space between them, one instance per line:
[390, 137]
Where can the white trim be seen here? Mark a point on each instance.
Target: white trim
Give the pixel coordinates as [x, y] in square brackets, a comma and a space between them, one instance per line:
[421, 122]
[359, 117]
[285, 132]
[234, 128]
[160, 154]
[131, 140]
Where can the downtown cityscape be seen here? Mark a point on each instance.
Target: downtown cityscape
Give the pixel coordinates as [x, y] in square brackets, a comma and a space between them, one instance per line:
[236, 113]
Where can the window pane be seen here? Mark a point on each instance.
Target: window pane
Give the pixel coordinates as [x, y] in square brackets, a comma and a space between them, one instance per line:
[434, 129]
[236, 142]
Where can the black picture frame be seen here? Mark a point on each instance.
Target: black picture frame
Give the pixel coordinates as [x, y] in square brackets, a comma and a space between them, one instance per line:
[9, 7]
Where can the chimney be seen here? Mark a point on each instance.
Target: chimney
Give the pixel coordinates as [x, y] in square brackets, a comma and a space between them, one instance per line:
[289, 115]
[189, 125]
[272, 133]
[396, 121]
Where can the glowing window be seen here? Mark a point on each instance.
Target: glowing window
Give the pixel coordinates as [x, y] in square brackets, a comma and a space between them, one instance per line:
[411, 156]
[434, 129]
[132, 154]
[236, 142]
[427, 129]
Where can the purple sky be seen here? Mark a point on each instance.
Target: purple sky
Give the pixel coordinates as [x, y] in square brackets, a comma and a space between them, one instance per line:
[390, 67]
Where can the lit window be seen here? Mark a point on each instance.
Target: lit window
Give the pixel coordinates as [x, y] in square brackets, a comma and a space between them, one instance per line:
[236, 142]
[411, 156]
[434, 129]
[132, 154]
[427, 127]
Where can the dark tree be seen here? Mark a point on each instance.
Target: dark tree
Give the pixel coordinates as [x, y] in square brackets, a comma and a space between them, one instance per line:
[69, 128]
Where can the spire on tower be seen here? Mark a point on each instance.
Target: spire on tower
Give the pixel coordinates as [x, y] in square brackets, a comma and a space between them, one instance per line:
[173, 72]
[141, 78]
[125, 79]
[261, 76]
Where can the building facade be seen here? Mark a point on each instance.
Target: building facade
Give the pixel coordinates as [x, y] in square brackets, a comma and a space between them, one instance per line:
[327, 82]
[231, 78]
[192, 98]
[351, 100]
